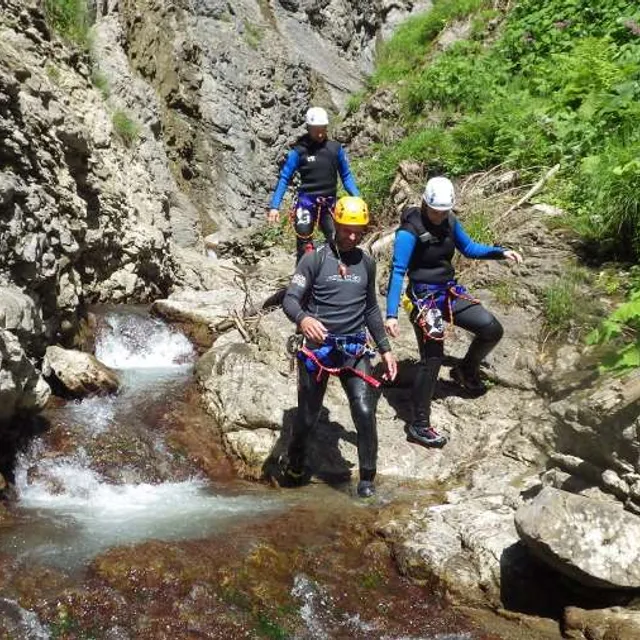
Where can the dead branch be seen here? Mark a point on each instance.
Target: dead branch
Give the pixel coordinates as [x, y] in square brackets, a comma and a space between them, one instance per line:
[237, 320]
[382, 243]
[537, 187]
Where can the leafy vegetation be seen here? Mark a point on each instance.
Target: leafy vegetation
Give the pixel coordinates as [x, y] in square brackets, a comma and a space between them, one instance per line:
[622, 328]
[69, 18]
[558, 83]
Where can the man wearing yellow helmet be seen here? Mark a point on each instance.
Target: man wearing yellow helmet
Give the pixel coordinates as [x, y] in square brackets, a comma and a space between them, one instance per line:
[332, 300]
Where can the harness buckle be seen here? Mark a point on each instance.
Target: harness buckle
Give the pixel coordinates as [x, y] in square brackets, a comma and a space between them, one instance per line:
[294, 343]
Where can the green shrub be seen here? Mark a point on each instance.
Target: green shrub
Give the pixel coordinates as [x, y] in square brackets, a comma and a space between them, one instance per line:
[100, 82]
[622, 327]
[559, 84]
[69, 18]
[125, 128]
[406, 50]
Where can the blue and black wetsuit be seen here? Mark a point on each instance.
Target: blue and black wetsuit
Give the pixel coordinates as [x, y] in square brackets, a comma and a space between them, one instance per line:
[346, 306]
[424, 251]
[318, 165]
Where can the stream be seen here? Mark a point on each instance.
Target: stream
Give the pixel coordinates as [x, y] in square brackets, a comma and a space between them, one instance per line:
[118, 533]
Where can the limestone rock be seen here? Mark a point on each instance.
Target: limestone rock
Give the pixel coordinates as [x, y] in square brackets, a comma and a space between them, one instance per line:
[21, 388]
[614, 623]
[596, 543]
[78, 374]
[600, 423]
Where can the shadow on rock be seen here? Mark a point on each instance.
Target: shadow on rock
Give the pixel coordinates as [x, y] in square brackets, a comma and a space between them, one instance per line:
[529, 586]
[400, 394]
[15, 437]
[325, 460]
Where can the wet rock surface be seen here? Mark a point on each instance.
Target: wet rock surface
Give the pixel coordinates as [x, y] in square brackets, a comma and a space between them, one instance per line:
[614, 623]
[78, 374]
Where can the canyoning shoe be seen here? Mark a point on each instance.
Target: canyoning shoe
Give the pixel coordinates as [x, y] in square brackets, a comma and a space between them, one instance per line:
[425, 435]
[469, 380]
[294, 476]
[366, 489]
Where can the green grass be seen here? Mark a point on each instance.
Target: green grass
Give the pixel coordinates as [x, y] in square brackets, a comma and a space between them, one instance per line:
[565, 304]
[69, 18]
[505, 291]
[354, 102]
[267, 628]
[253, 34]
[407, 50]
[100, 82]
[478, 226]
[124, 127]
[558, 81]
[53, 72]
[560, 305]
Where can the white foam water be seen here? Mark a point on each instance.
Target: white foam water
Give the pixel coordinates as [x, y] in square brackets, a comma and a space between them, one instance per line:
[131, 341]
[80, 514]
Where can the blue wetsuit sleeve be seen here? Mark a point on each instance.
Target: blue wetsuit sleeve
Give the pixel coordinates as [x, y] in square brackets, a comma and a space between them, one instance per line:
[290, 167]
[345, 174]
[471, 249]
[403, 248]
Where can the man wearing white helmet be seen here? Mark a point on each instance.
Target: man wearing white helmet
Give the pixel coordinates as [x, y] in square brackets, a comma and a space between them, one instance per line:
[424, 247]
[318, 162]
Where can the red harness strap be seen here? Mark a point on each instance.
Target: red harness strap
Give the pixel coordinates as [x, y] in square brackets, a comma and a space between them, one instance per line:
[319, 203]
[336, 371]
[450, 294]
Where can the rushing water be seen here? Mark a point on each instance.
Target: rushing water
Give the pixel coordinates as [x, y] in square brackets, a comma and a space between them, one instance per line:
[108, 479]
[70, 512]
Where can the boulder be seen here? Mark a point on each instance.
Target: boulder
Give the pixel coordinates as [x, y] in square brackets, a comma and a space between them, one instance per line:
[614, 623]
[21, 388]
[19, 315]
[600, 423]
[594, 542]
[78, 374]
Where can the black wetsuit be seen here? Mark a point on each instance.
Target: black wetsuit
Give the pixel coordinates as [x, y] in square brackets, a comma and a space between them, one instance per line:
[318, 164]
[345, 306]
[425, 250]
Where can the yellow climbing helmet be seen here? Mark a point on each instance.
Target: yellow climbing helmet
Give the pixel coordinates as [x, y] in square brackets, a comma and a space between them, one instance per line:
[352, 210]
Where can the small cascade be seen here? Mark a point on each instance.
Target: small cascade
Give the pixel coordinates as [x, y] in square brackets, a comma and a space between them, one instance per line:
[134, 341]
[73, 511]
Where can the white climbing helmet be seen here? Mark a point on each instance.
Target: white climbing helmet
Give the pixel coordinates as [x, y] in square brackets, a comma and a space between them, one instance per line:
[439, 194]
[316, 117]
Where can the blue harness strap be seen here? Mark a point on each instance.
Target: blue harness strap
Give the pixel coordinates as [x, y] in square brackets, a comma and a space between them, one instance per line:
[313, 207]
[433, 303]
[338, 353]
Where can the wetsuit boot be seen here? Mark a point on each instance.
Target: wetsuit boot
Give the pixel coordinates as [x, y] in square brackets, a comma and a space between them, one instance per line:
[366, 488]
[467, 372]
[420, 431]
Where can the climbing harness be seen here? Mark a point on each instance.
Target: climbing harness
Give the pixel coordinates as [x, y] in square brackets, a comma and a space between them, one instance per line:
[429, 304]
[307, 210]
[337, 354]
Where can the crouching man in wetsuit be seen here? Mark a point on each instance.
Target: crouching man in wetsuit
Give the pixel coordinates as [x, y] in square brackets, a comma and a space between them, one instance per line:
[332, 300]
